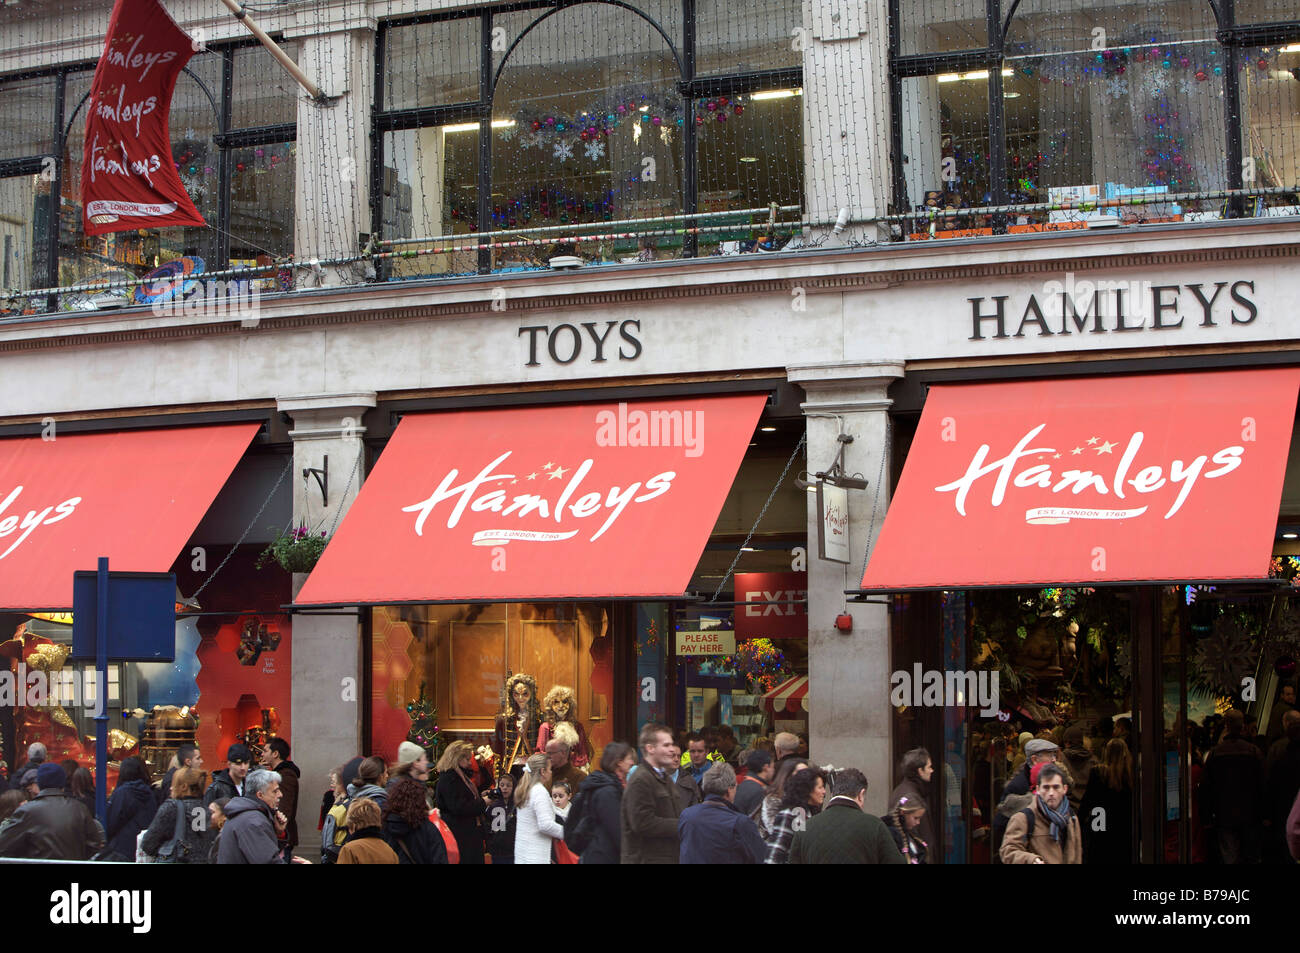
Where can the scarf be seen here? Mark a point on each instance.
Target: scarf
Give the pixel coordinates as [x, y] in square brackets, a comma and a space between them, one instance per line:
[468, 783]
[1060, 819]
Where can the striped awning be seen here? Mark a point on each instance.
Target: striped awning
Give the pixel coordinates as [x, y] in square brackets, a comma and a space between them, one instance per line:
[790, 696]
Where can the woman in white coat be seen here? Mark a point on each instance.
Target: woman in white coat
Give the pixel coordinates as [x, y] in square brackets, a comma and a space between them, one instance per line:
[535, 823]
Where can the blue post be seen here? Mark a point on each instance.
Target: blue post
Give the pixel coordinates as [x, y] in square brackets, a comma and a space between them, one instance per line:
[101, 694]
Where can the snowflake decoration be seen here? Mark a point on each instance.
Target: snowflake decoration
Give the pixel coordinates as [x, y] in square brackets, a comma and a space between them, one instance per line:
[1187, 87]
[507, 133]
[530, 140]
[563, 150]
[1117, 87]
[595, 149]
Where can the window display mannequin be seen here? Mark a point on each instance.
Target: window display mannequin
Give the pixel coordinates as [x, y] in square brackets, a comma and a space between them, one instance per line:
[559, 707]
[517, 723]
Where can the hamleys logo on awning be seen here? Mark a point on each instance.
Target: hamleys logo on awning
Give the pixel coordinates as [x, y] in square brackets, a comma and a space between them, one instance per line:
[536, 497]
[1093, 465]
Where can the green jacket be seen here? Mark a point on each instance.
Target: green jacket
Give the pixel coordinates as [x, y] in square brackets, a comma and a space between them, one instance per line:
[651, 806]
[844, 834]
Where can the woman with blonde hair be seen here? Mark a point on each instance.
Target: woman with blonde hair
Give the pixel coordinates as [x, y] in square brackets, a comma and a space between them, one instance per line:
[459, 803]
[185, 796]
[535, 824]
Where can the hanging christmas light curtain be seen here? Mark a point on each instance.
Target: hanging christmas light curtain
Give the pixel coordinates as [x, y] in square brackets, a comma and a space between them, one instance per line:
[128, 178]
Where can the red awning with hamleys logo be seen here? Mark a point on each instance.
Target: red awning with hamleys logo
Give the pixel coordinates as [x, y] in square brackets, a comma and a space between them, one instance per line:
[1170, 477]
[579, 501]
[133, 496]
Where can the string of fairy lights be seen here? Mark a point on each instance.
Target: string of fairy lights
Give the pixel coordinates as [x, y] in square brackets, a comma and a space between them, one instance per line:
[601, 114]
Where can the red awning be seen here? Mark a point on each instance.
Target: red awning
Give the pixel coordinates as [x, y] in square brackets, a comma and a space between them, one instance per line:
[1172, 477]
[579, 501]
[790, 696]
[133, 496]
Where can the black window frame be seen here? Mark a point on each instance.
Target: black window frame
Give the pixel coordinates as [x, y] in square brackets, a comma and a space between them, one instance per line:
[1233, 39]
[226, 139]
[689, 86]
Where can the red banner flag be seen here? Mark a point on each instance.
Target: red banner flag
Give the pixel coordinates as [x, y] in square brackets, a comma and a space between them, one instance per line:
[128, 178]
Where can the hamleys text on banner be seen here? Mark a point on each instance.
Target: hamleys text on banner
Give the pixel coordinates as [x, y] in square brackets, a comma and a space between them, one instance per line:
[539, 502]
[1087, 480]
[128, 178]
[133, 496]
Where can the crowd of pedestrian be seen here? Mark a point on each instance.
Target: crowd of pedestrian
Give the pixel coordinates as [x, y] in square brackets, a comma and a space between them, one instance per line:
[698, 798]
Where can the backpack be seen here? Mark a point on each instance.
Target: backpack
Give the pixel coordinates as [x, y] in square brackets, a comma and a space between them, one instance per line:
[338, 814]
[1029, 820]
[580, 828]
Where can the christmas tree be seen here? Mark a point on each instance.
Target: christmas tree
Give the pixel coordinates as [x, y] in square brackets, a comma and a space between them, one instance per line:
[424, 725]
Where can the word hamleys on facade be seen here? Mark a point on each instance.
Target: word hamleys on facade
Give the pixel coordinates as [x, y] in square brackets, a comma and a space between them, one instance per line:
[1127, 480]
[486, 492]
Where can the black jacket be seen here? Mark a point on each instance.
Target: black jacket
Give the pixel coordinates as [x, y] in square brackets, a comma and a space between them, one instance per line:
[461, 810]
[714, 832]
[914, 790]
[163, 829]
[652, 803]
[220, 787]
[130, 810]
[749, 796]
[1232, 785]
[1019, 786]
[1114, 844]
[52, 826]
[423, 845]
[603, 794]
[500, 822]
[289, 775]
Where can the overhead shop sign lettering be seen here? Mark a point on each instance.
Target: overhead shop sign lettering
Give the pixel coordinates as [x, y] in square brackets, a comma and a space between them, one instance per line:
[1104, 307]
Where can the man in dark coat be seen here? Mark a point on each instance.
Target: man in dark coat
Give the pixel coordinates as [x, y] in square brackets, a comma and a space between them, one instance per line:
[230, 782]
[715, 832]
[685, 776]
[36, 756]
[1232, 793]
[248, 836]
[52, 826]
[275, 757]
[759, 770]
[602, 793]
[843, 833]
[651, 804]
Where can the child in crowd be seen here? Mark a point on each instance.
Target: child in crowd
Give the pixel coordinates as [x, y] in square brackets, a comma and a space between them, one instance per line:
[500, 820]
[562, 797]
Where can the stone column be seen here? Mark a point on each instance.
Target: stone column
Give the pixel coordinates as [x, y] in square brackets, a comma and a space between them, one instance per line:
[327, 678]
[848, 672]
[846, 114]
[333, 148]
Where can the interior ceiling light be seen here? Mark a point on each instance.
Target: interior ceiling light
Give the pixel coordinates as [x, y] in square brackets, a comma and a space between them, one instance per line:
[776, 94]
[767, 429]
[974, 74]
[1290, 535]
[749, 158]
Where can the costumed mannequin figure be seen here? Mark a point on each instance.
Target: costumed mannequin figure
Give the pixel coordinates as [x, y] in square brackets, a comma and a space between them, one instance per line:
[517, 723]
[561, 707]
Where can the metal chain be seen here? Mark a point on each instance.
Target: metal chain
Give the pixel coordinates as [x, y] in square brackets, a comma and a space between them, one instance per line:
[803, 438]
[283, 473]
[880, 488]
[339, 510]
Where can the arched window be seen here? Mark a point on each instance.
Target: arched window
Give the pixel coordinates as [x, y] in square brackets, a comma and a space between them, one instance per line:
[1126, 98]
[1056, 101]
[588, 125]
[600, 111]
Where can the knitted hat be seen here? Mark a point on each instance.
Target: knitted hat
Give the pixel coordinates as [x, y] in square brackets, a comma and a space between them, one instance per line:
[408, 752]
[51, 775]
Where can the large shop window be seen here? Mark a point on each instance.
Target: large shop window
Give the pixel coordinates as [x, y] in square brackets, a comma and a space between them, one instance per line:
[240, 176]
[591, 111]
[1133, 105]
[1079, 104]
[459, 657]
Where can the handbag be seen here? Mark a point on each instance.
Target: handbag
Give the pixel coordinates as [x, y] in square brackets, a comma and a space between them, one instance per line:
[176, 850]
